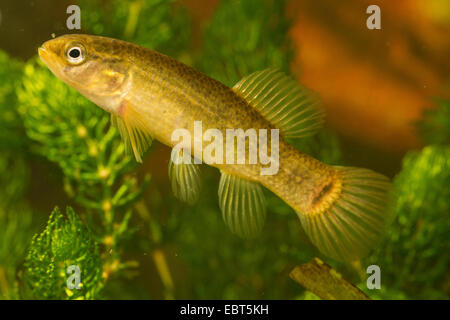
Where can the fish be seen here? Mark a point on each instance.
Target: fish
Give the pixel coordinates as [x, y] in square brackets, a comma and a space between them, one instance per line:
[149, 95]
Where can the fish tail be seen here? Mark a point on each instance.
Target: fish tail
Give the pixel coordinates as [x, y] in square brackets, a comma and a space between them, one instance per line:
[348, 215]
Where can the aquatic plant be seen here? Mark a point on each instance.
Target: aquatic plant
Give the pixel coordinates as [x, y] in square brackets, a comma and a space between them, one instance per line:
[127, 233]
[435, 128]
[65, 242]
[413, 255]
[16, 225]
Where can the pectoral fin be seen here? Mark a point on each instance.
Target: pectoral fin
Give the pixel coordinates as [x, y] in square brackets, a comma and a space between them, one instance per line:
[242, 204]
[133, 130]
[184, 177]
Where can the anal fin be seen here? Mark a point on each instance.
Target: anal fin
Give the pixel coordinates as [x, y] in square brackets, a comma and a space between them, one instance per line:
[242, 204]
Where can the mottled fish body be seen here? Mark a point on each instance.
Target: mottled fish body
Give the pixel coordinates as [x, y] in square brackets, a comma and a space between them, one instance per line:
[150, 95]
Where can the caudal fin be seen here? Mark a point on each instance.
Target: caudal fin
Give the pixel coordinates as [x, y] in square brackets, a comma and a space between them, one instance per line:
[352, 214]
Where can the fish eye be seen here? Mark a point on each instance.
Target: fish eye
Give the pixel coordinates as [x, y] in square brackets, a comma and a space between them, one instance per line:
[75, 54]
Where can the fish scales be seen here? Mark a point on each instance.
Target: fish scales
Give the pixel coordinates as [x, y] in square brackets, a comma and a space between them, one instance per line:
[341, 209]
[171, 95]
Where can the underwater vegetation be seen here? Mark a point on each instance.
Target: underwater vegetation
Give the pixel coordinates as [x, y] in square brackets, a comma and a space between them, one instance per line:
[119, 221]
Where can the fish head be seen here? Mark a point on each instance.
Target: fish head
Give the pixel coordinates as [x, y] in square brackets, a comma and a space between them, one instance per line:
[94, 66]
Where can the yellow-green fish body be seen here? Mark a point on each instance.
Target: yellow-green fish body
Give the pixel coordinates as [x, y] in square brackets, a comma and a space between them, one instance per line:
[151, 95]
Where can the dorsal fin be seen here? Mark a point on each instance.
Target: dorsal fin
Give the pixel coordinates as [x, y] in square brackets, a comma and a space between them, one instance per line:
[283, 101]
[133, 130]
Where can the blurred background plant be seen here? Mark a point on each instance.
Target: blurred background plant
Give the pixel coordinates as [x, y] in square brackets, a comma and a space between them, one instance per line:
[127, 232]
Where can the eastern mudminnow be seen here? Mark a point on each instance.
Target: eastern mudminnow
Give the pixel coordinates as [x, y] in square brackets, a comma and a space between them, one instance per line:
[150, 95]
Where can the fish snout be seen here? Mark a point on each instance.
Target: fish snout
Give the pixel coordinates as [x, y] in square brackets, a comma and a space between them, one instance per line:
[44, 51]
[50, 50]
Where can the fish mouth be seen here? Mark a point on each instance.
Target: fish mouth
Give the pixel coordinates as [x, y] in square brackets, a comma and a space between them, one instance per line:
[47, 54]
[44, 53]
[50, 58]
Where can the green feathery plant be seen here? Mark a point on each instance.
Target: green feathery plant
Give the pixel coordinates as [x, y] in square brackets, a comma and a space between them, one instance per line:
[177, 249]
[435, 128]
[413, 256]
[66, 242]
[15, 215]
[75, 134]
